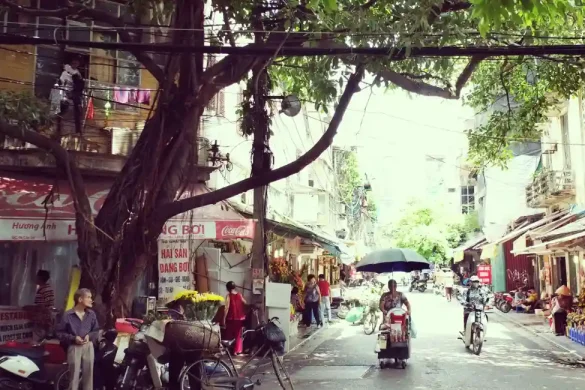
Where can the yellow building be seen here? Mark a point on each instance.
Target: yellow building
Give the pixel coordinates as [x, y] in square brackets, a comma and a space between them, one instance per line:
[113, 78]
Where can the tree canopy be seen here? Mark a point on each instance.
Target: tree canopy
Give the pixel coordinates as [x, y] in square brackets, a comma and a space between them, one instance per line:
[430, 233]
[117, 245]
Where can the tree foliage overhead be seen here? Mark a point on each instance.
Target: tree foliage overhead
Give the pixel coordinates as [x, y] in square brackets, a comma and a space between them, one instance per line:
[116, 246]
[430, 233]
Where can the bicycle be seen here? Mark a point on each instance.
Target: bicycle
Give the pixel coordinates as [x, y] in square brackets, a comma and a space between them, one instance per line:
[229, 377]
[370, 320]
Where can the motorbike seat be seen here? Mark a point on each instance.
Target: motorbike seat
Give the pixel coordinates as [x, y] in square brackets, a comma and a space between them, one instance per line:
[33, 353]
[228, 343]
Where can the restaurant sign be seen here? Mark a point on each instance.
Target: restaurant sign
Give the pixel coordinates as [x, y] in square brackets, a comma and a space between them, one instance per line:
[15, 325]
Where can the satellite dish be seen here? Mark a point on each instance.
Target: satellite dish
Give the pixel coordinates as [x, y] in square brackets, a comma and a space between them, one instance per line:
[290, 105]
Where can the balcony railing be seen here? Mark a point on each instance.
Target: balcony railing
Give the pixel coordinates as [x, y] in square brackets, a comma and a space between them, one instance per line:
[550, 187]
[102, 153]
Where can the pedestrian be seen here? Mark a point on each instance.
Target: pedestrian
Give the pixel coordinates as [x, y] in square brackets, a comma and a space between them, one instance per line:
[235, 315]
[312, 301]
[449, 282]
[77, 332]
[325, 289]
[43, 305]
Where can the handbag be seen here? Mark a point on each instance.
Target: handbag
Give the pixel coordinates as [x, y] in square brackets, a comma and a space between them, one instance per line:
[274, 334]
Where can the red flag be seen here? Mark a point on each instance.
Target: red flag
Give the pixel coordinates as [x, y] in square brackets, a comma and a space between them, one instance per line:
[90, 111]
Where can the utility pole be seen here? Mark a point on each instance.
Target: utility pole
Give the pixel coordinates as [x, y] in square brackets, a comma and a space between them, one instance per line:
[261, 162]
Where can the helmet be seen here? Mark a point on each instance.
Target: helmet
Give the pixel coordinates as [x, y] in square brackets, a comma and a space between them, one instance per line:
[474, 279]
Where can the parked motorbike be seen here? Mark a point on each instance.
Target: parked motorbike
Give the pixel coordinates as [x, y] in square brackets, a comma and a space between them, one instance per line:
[336, 302]
[25, 368]
[503, 302]
[346, 306]
[105, 367]
[139, 368]
[420, 285]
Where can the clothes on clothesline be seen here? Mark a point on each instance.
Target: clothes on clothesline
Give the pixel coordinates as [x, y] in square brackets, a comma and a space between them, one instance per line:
[131, 96]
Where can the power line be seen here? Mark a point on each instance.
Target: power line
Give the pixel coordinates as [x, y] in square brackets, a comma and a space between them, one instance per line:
[391, 53]
[143, 27]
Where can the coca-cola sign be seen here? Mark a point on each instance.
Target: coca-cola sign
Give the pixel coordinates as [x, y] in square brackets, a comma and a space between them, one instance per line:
[227, 230]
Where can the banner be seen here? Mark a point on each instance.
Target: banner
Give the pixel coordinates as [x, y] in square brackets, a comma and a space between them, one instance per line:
[23, 229]
[174, 270]
[484, 273]
[14, 325]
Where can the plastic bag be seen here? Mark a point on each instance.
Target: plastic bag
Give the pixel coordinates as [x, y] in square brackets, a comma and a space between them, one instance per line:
[355, 314]
[412, 329]
[274, 334]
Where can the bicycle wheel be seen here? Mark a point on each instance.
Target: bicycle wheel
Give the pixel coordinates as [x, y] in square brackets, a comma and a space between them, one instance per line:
[204, 373]
[280, 372]
[63, 380]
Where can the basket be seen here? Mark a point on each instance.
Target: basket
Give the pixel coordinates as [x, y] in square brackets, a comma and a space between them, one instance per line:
[187, 336]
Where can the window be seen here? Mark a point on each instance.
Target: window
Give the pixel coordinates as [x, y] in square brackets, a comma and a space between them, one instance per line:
[107, 69]
[566, 141]
[12, 23]
[467, 199]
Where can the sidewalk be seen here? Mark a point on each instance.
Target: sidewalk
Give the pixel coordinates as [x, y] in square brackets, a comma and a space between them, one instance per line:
[539, 326]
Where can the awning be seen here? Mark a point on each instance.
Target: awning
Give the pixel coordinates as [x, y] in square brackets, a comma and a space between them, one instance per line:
[489, 251]
[549, 247]
[526, 227]
[459, 252]
[26, 214]
[547, 230]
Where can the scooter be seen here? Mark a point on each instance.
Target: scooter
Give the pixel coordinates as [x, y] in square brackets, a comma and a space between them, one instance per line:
[475, 328]
[503, 302]
[420, 285]
[25, 368]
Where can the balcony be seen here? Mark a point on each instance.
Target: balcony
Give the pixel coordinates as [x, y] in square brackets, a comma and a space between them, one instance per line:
[101, 153]
[549, 188]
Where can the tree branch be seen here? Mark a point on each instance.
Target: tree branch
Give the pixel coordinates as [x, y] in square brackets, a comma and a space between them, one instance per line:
[74, 9]
[167, 211]
[84, 218]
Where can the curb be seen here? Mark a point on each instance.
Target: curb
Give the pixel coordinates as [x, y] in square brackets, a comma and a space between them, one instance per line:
[547, 339]
[305, 340]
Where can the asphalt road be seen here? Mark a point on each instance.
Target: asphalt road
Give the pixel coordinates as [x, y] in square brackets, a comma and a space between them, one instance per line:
[342, 357]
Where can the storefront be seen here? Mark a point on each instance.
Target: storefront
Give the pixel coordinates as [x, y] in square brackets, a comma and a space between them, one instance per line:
[37, 231]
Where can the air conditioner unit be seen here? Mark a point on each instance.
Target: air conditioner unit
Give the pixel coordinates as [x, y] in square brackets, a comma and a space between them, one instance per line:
[550, 147]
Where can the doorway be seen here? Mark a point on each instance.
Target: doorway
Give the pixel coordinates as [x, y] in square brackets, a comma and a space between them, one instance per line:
[561, 271]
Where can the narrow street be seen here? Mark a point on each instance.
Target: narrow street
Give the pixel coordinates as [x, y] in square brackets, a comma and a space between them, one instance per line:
[342, 356]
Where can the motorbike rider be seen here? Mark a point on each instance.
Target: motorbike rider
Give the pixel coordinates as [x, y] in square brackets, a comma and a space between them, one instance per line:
[473, 296]
[393, 299]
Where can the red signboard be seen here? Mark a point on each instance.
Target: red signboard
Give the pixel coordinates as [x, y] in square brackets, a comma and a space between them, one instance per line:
[484, 273]
[25, 214]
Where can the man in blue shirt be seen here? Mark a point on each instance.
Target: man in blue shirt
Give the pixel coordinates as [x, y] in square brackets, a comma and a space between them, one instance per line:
[77, 332]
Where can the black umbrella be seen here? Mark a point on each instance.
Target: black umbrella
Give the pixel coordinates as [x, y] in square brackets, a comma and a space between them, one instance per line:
[392, 260]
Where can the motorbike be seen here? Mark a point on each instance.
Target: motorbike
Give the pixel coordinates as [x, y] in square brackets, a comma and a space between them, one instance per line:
[25, 368]
[346, 306]
[336, 302]
[439, 289]
[503, 302]
[475, 328]
[140, 369]
[43, 366]
[420, 285]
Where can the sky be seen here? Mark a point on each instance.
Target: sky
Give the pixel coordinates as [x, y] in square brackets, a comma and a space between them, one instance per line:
[394, 137]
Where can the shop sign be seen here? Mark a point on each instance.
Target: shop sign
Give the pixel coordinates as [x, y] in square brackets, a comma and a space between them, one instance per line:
[14, 325]
[21, 229]
[484, 273]
[36, 230]
[218, 230]
[174, 269]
